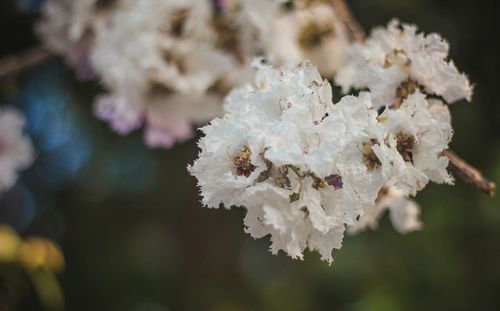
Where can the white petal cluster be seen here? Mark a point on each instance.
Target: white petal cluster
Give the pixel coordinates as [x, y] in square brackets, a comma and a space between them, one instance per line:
[288, 32]
[415, 135]
[397, 60]
[16, 151]
[306, 169]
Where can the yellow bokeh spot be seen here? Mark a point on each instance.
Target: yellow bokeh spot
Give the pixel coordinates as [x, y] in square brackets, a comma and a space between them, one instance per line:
[36, 253]
[9, 244]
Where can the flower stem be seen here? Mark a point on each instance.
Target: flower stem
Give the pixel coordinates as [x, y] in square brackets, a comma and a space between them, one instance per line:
[353, 26]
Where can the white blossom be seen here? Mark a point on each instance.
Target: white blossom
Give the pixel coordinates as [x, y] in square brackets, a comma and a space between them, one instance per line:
[419, 130]
[16, 151]
[314, 33]
[309, 30]
[395, 61]
[403, 212]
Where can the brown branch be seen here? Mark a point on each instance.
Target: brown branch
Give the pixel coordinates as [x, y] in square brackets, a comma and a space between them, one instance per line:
[353, 26]
[469, 174]
[14, 64]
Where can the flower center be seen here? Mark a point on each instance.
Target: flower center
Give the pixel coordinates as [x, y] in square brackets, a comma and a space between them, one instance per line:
[370, 159]
[178, 22]
[333, 180]
[405, 89]
[312, 34]
[242, 162]
[405, 144]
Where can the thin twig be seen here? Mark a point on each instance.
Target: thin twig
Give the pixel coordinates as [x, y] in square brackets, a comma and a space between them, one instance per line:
[353, 26]
[459, 167]
[469, 174]
[14, 64]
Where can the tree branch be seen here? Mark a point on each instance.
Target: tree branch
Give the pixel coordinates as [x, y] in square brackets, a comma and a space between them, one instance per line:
[469, 174]
[353, 26]
[458, 166]
[14, 64]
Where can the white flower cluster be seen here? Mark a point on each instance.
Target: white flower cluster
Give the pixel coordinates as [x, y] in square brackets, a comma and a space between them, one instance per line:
[396, 61]
[16, 151]
[177, 56]
[306, 169]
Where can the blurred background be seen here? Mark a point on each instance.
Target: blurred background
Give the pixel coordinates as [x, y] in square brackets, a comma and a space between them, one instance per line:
[135, 237]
